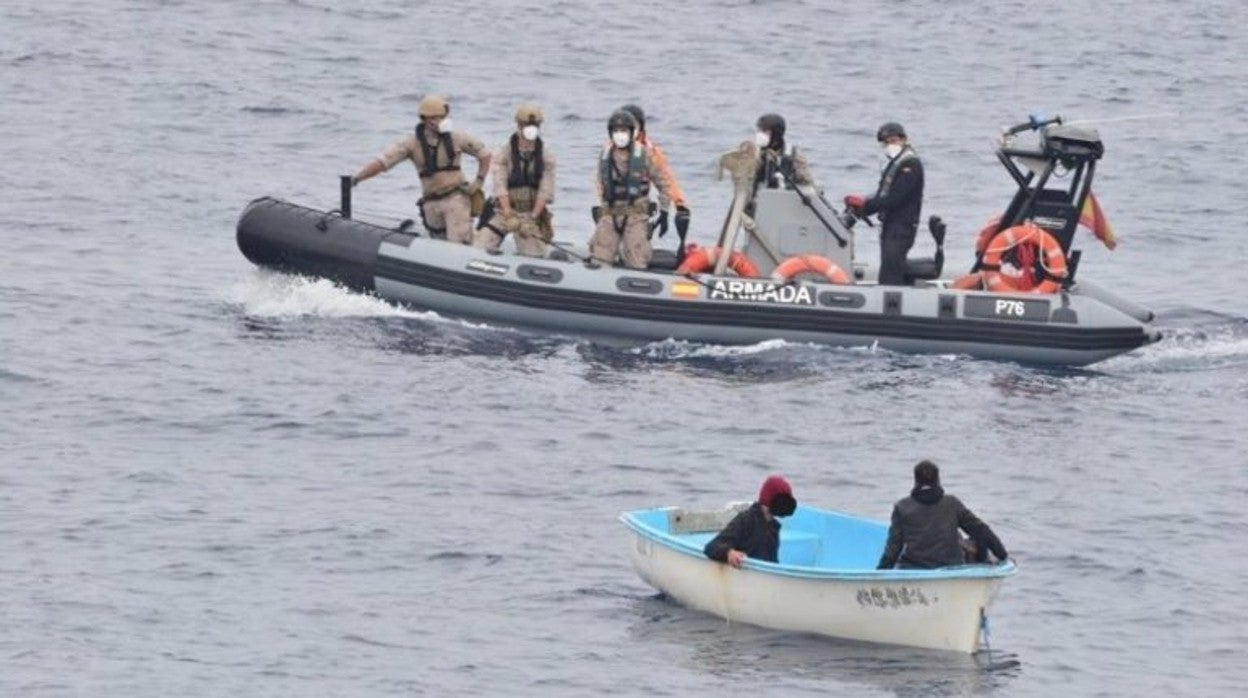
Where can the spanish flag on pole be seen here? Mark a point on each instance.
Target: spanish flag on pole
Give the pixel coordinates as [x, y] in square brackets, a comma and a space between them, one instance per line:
[1093, 218]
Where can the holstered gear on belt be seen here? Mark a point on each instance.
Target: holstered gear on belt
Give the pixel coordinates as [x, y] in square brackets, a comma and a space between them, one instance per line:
[436, 233]
[476, 200]
[488, 212]
[439, 233]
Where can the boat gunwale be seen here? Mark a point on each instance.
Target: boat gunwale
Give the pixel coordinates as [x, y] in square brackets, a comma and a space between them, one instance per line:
[960, 572]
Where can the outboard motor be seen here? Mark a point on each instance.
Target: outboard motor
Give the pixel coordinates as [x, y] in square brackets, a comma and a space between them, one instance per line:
[928, 268]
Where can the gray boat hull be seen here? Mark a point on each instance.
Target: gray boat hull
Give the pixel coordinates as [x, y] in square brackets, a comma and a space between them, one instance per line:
[617, 305]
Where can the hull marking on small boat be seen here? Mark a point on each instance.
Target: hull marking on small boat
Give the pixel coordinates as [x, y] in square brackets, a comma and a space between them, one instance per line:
[894, 598]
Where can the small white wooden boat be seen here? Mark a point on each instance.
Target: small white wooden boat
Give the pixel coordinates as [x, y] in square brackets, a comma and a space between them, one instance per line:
[825, 582]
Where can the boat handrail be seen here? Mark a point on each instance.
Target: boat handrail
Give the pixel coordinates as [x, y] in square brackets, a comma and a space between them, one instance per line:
[683, 521]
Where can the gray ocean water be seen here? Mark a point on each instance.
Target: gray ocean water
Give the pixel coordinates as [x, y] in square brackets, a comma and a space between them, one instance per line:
[216, 480]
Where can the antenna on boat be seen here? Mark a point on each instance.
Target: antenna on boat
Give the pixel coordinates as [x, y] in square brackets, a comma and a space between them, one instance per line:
[344, 188]
[1116, 119]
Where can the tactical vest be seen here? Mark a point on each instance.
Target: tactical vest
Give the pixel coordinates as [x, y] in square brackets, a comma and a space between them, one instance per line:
[520, 175]
[770, 168]
[629, 186]
[890, 173]
[429, 153]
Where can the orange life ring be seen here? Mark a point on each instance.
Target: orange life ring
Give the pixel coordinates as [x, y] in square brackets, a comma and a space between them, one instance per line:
[810, 264]
[703, 259]
[1052, 260]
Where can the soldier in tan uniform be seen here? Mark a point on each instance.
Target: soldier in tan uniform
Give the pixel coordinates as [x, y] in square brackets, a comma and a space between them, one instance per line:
[436, 150]
[523, 172]
[625, 173]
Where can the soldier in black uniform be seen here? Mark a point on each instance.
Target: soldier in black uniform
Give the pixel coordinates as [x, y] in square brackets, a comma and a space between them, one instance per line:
[779, 165]
[898, 200]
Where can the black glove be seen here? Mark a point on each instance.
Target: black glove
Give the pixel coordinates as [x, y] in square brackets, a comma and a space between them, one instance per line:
[661, 224]
[596, 213]
[682, 221]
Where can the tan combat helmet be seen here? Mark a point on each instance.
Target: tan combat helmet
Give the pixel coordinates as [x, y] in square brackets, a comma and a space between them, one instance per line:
[529, 113]
[433, 106]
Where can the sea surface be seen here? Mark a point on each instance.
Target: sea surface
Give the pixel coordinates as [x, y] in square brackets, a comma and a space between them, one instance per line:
[221, 481]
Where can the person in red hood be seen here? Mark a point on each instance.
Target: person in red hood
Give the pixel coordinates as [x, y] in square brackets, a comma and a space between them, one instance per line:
[755, 532]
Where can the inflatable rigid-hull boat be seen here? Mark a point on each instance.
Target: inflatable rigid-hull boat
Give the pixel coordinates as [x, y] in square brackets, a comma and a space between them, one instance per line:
[561, 294]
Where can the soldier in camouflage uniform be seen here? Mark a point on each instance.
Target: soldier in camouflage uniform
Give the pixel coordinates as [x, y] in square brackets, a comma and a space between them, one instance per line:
[523, 172]
[435, 149]
[625, 173]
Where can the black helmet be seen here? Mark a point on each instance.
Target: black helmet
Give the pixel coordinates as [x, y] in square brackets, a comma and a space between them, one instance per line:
[622, 120]
[637, 113]
[773, 124]
[892, 128]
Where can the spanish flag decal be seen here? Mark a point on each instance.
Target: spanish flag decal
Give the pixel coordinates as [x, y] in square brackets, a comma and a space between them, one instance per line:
[685, 289]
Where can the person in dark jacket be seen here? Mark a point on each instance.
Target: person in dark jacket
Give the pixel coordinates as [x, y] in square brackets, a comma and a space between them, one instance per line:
[779, 164]
[755, 532]
[898, 200]
[924, 530]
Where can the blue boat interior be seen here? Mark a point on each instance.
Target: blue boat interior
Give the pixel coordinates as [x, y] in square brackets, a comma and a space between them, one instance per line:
[809, 538]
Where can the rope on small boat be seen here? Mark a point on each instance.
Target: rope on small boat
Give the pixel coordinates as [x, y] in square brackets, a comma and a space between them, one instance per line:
[985, 633]
[985, 638]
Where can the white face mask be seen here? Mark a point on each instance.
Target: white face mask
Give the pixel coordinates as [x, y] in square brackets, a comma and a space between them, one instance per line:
[530, 132]
[445, 126]
[762, 139]
[892, 150]
[621, 139]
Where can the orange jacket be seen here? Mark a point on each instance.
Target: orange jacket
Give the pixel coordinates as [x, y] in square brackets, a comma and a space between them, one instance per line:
[660, 163]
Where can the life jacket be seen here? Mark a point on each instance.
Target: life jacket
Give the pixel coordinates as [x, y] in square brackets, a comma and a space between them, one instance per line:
[771, 168]
[894, 166]
[521, 176]
[629, 186]
[429, 160]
